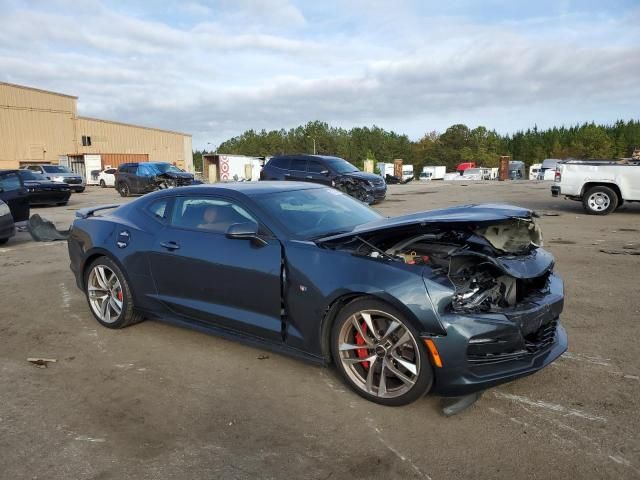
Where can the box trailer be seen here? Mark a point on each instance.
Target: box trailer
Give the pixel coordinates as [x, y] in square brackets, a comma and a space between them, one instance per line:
[433, 172]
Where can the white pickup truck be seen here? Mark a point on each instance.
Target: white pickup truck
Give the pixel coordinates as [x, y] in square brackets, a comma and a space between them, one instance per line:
[601, 186]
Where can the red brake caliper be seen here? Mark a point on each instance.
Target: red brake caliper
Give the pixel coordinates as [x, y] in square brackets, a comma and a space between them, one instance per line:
[362, 352]
[120, 295]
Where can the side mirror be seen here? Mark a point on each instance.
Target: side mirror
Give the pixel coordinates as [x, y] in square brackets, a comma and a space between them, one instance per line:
[245, 231]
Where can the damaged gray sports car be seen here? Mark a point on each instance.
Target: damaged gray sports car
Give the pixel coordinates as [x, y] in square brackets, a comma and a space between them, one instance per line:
[450, 301]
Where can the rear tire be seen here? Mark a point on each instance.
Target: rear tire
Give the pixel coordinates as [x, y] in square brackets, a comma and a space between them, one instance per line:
[379, 354]
[600, 200]
[109, 294]
[3, 241]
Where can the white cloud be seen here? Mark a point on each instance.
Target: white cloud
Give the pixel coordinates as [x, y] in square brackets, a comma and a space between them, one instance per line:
[218, 68]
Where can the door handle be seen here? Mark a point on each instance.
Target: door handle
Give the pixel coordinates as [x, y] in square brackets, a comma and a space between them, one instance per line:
[170, 245]
[309, 177]
[287, 175]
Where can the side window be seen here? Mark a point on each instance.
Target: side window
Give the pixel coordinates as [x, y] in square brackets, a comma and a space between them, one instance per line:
[111, 171]
[299, 164]
[316, 167]
[208, 213]
[35, 168]
[282, 163]
[160, 209]
[144, 170]
[10, 182]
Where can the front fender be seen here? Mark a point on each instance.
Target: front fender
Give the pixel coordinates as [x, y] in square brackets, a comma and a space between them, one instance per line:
[319, 278]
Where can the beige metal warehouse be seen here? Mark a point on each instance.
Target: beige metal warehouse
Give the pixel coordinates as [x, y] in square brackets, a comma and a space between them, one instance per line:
[38, 126]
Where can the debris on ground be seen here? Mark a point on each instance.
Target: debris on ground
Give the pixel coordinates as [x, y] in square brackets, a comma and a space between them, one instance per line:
[549, 214]
[43, 230]
[263, 357]
[41, 362]
[626, 250]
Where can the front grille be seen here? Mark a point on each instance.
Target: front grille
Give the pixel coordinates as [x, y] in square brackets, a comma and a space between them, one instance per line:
[73, 181]
[542, 338]
[182, 182]
[378, 183]
[497, 350]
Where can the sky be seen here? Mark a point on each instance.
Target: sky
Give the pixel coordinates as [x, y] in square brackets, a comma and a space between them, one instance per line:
[217, 68]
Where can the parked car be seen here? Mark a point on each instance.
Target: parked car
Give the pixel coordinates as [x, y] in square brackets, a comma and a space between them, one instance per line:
[471, 174]
[451, 301]
[107, 177]
[58, 173]
[43, 191]
[140, 178]
[7, 227]
[326, 170]
[451, 176]
[14, 194]
[601, 186]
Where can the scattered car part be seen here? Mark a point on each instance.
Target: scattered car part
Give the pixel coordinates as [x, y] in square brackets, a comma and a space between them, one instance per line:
[42, 230]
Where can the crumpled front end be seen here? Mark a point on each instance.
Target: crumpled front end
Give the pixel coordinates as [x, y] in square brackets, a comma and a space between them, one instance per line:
[492, 285]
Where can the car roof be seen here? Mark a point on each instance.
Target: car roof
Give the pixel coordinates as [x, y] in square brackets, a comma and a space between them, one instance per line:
[308, 156]
[247, 188]
[11, 170]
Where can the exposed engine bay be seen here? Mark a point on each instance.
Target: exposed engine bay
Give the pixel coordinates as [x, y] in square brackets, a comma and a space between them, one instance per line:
[476, 260]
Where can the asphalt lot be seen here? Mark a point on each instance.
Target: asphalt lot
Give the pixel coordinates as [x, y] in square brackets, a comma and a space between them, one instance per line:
[157, 401]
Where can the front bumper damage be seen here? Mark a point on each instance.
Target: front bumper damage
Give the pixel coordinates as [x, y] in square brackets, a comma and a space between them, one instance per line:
[482, 350]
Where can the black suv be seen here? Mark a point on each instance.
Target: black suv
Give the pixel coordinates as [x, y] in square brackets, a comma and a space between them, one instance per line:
[149, 176]
[333, 171]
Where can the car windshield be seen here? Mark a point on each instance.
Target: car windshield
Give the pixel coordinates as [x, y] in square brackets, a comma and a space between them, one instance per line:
[29, 175]
[341, 166]
[317, 213]
[55, 169]
[164, 167]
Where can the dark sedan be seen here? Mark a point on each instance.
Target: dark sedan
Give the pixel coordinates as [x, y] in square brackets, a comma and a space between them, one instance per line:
[43, 191]
[449, 301]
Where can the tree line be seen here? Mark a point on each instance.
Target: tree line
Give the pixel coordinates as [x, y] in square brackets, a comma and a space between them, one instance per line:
[456, 144]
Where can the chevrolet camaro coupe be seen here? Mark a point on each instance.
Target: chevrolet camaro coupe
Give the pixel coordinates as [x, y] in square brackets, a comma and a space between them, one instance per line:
[450, 301]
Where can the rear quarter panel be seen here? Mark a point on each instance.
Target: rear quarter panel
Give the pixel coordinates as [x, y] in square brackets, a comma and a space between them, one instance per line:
[96, 236]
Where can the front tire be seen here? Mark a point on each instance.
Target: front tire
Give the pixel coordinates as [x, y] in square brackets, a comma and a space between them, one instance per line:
[3, 241]
[600, 200]
[379, 354]
[109, 295]
[103, 184]
[123, 190]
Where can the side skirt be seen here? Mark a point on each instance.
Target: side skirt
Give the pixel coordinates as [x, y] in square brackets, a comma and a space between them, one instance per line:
[257, 342]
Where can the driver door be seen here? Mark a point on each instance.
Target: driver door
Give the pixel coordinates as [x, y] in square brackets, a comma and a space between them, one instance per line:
[202, 274]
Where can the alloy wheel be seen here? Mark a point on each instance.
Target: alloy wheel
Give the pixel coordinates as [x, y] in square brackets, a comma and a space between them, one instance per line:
[105, 294]
[379, 353]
